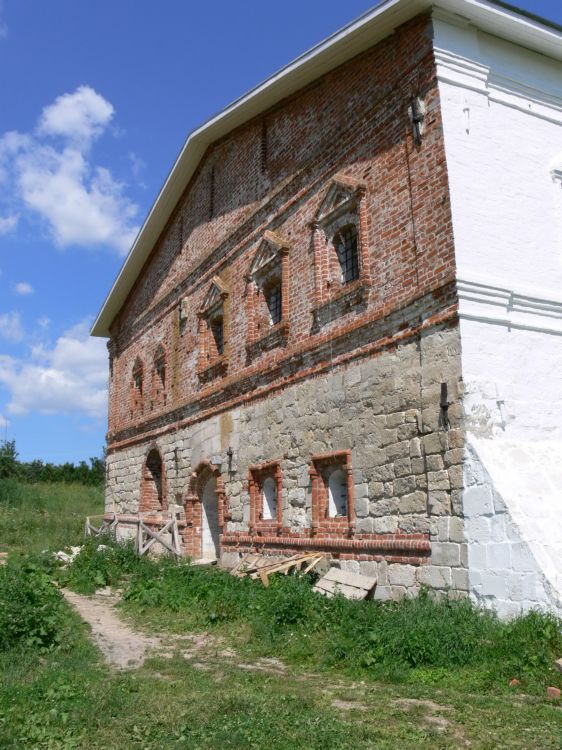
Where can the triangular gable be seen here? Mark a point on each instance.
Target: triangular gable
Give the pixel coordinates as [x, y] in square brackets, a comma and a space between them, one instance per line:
[268, 251]
[216, 293]
[342, 191]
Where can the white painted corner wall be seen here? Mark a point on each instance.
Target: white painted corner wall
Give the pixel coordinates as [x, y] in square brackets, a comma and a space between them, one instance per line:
[502, 119]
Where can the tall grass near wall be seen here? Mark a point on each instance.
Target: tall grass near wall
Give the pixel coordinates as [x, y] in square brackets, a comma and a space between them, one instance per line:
[414, 640]
[34, 517]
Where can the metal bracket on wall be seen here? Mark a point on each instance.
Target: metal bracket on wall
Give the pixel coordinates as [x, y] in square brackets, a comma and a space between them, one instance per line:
[444, 408]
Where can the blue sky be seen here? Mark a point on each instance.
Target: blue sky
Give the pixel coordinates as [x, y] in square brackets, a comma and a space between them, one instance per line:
[97, 99]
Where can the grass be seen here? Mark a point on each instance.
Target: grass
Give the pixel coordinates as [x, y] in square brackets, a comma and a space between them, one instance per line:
[34, 517]
[360, 675]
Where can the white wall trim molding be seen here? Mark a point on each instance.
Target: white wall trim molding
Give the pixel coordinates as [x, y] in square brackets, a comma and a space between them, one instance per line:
[460, 71]
[519, 309]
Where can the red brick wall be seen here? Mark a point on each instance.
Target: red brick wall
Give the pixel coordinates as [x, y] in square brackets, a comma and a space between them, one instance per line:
[353, 121]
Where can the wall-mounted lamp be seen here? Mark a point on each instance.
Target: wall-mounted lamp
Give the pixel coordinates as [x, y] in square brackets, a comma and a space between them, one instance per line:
[417, 112]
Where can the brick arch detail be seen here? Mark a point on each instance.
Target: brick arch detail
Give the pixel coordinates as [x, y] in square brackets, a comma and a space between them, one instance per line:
[153, 496]
[193, 508]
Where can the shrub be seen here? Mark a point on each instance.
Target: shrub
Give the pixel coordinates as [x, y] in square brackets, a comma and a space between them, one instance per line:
[101, 562]
[33, 613]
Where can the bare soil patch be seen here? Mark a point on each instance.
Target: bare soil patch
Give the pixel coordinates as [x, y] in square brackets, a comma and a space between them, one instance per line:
[123, 647]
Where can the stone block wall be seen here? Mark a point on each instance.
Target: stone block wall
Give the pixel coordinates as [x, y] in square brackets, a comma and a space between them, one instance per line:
[407, 469]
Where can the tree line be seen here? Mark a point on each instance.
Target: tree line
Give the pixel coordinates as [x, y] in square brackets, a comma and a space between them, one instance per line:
[92, 473]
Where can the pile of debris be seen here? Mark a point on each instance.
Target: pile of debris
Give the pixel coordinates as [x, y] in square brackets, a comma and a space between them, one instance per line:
[333, 582]
[262, 566]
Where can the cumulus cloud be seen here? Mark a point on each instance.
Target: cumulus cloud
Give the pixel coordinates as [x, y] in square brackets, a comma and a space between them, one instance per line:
[52, 174]
[81, 117]
[67, 378]
[23, 288]
[8, 223]
[11, 328]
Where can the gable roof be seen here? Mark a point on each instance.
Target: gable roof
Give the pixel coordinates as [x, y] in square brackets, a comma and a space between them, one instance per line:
[493, 16]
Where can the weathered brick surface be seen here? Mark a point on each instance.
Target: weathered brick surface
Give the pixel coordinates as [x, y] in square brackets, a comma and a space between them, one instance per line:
[357, 371]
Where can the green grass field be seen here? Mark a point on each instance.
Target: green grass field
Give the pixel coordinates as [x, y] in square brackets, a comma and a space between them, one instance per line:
[412, 676]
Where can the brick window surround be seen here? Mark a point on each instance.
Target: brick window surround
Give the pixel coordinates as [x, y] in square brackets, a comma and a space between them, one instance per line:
[213, 338]
[158, 396]
[153, 497]
[267, 296]
[193, 505]
[342, 211]
[137, 388]
[322, 466]
[257, 478]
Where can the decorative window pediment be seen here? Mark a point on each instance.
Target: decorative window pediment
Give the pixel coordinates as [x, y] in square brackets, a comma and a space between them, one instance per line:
[268, 253]
[267, 295]
[342, 195]
[216, 294]
[212, 331]
[341, 249]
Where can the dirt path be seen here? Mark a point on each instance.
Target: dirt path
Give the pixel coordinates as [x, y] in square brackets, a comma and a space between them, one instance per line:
[123, 647]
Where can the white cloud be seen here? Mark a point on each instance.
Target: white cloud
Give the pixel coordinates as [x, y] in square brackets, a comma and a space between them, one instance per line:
[23, 288]
[81, 203]
[81, 116]
[3, 422]
[8, 223]
[44, 322]
[69, 378]
[11, 328]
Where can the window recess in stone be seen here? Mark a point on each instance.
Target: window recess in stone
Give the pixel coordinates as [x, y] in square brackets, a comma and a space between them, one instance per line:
[267, 296]
[333, 511]
[137, 389]
[153, 496]
[341, 250]
[158, 396]
[265, 485]
[213, 359]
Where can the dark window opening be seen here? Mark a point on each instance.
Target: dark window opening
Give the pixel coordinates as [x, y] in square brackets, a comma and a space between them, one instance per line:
[273, 300]
[346, 246]
[217, 330]
[137, 378]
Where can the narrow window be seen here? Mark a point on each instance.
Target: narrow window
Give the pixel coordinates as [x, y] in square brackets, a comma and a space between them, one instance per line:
[337, 493]
[273, 300]
[160, 367]
[217, 330]
[137, 377]
[345, 244]
[269, 499]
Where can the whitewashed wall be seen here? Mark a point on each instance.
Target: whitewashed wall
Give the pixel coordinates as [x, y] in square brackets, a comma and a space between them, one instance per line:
[502, 113]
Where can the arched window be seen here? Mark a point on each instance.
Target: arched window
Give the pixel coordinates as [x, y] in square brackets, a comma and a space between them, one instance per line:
[158, 388]
[337, 493]
[160, 365]
[137, 387]
[153, 494]
[269, 498]
[347, 249]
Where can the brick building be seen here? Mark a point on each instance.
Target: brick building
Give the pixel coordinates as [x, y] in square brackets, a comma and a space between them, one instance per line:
[295, 358]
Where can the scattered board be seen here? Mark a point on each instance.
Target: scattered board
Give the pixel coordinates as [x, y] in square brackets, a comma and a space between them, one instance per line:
[350, 585]
[262, 566]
